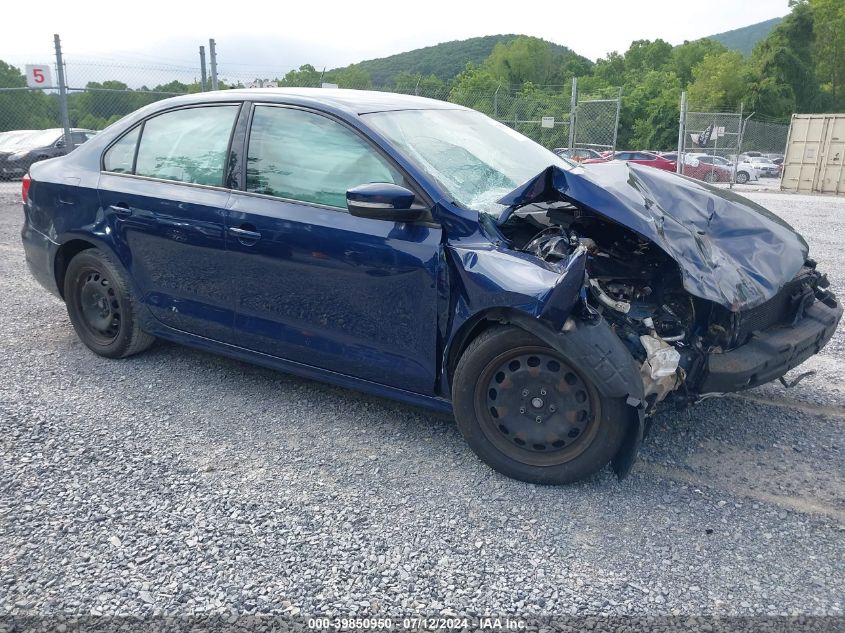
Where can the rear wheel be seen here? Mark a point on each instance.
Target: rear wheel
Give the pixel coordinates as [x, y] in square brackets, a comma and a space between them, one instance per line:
[711, 177]
[528, 413]
[101, 307]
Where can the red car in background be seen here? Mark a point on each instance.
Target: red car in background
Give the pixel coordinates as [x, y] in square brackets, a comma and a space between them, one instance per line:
[641, 158]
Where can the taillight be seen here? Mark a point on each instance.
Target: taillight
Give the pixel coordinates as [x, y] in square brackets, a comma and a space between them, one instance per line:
[25, 187]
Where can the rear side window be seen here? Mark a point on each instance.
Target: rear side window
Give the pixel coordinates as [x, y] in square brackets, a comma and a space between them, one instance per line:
[303, 156]
[121, 155]
[187, 145]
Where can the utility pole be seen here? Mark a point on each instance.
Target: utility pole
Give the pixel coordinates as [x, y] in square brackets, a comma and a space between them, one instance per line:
[573, 116]
[204, 77]
[682, 122]
[60, 71]
[212, 51]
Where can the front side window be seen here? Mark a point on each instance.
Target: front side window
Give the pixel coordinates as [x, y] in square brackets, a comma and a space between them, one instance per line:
[187, 145]
[303, 156]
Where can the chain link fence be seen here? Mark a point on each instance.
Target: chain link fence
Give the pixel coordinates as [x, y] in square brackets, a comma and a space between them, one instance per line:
[710, 145]
[729, 146]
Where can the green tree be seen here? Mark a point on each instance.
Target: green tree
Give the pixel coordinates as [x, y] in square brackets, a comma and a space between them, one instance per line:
[782, 75]
[22, 109]
[719, 81]
[650, 110]
[523, 60]
[305, 77]
[829, 53]
[350, 77]
[646, 55]
[690, 54]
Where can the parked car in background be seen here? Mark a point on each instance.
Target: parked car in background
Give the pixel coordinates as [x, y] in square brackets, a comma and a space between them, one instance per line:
[765, 166]
[745, 171]
[39, 146]
[645, 158]
[579, 154]
[419, 250]
[13, 137]
[706, 171]
[9, 142]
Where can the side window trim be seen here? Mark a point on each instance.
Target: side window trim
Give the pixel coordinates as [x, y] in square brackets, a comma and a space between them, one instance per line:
[419, 192]
[137, 144]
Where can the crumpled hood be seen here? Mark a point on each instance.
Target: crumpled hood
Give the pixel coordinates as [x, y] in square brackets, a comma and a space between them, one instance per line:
[729, 249]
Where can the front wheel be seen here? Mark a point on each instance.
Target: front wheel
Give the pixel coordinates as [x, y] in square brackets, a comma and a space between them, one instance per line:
[531, 415]
[101, 307]
[741, 177]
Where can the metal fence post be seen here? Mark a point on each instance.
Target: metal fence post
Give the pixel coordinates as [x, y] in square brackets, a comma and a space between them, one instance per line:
[496, 103]
[679, 167]
[616, 124]
[212, 51]
[573, 106]
[60, 71]
[203, 76]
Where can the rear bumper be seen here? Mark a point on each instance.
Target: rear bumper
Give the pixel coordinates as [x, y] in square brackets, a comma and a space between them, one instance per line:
[773, 352]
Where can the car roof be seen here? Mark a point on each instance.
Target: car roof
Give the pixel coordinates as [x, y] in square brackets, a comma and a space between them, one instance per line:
[352, 101]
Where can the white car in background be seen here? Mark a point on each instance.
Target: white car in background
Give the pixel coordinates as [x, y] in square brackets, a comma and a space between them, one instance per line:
[745, 170]
[765, 166]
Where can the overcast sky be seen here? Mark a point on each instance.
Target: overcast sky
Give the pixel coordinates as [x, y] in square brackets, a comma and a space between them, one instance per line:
[257, 37]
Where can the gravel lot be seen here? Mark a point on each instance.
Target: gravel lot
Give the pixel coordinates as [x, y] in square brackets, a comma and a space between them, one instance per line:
[179, 482]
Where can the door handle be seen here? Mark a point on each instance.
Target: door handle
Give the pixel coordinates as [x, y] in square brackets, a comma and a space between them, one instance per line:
[244, 235]
[121, 208]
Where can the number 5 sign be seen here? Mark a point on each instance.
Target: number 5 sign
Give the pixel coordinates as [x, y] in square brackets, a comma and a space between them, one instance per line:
[39, 76]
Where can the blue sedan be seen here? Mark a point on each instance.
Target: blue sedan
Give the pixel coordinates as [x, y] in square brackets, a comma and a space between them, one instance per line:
[419, 250]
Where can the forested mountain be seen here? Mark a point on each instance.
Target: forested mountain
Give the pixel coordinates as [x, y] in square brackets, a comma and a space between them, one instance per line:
[744, 39]
[447, 59]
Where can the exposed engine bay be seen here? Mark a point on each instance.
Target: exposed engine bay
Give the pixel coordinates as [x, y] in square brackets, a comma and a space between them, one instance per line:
[638, 289]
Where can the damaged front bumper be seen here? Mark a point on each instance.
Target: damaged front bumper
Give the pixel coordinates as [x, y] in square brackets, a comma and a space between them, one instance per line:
[771, 353]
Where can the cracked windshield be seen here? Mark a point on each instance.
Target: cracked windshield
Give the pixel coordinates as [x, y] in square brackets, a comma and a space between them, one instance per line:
[475, 159]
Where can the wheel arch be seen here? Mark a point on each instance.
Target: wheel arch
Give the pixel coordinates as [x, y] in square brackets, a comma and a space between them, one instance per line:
[594, 349]
[66, 252]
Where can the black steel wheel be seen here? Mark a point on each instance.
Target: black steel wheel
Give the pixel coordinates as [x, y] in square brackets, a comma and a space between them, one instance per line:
[101, 307]
[536, 408]
[529, 413]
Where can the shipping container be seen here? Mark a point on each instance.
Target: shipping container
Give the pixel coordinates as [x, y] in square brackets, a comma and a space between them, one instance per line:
[815, 154]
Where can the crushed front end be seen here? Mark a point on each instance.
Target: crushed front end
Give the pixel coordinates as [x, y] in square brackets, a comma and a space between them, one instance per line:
[708, 292]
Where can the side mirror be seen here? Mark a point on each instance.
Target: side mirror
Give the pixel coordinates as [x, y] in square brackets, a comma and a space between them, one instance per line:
[383, 201]
[60, 143]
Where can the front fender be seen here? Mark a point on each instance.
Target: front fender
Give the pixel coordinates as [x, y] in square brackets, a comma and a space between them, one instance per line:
[491, 284]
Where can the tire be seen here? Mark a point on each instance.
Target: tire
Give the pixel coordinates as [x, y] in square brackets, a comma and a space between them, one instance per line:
[711, 177]
[578, 432]
[101, 306]
[741, 177]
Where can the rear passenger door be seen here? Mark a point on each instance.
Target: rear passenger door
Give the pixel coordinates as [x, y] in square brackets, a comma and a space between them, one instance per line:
[317, 285]
[163, 196]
